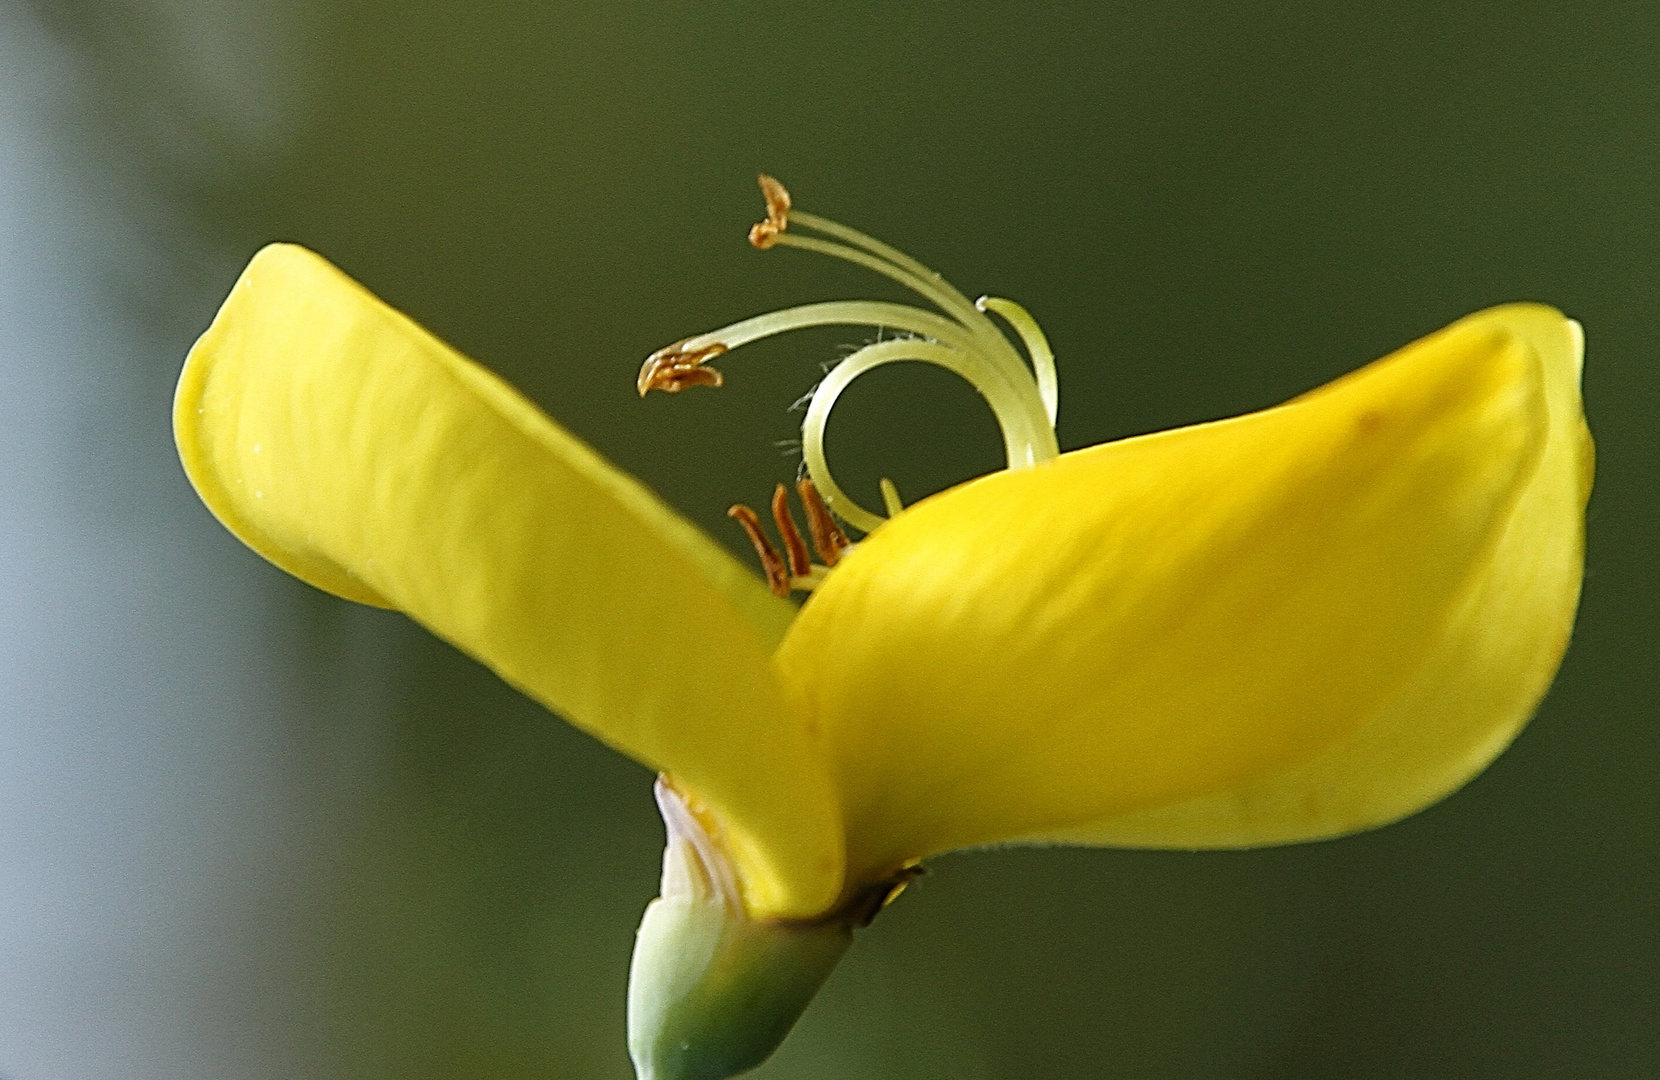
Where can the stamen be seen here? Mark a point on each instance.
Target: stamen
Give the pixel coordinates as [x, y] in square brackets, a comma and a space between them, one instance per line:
[890, 261]
[890, 497]
[801, 564]
[778, 576]
[811, 580]
[764, 234]
[960, 337]
[828, 539]
[800, 573]
[1027, 438]
[675, 367]
[927, 287]
[1037, 346]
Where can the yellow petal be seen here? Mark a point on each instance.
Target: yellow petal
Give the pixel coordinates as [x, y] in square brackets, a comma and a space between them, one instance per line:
[356, 451]
[1497, 653]
[1130, 643]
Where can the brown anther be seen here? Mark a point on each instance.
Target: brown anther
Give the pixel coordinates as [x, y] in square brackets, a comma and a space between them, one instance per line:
[778, 575]
[764, 234]
[828, 539]
[675, 367]
[801, 564]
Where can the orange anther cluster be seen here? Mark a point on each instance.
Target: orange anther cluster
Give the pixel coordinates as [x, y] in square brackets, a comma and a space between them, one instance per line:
[675, 367]
[828, 539]
[764, 234]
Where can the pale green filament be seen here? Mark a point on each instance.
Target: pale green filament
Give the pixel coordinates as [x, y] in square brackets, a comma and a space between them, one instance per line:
[963, 340]
[890, 497]
[1031, 335]
[1022, 438]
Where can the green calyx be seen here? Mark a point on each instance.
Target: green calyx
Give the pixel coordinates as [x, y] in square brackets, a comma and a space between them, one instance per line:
[711, 993]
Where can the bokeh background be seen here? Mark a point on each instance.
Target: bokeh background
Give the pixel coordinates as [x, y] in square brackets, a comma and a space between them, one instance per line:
[250, 831]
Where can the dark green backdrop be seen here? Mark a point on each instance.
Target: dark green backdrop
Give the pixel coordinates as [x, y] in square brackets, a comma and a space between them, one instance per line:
[1210, 208]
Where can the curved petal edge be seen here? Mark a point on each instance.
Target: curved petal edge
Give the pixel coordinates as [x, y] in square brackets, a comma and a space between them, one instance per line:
[356, 451]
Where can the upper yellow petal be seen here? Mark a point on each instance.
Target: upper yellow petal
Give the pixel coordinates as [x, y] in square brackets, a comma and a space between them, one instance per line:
[358, 452]
[1064, 652]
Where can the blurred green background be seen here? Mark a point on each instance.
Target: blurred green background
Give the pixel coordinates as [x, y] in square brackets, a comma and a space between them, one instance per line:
[249, 831]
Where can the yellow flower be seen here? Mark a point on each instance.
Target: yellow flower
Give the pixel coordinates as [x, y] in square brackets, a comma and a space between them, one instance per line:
[1289, 625]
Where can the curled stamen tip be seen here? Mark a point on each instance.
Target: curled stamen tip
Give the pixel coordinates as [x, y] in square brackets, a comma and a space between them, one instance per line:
[764, 234]
[675, 367]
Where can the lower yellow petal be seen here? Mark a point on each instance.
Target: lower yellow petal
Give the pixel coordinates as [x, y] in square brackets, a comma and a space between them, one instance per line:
[358, 452]
[1063, 652]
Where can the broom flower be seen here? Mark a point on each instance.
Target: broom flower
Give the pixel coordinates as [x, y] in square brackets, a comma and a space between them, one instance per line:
[1284, 626]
